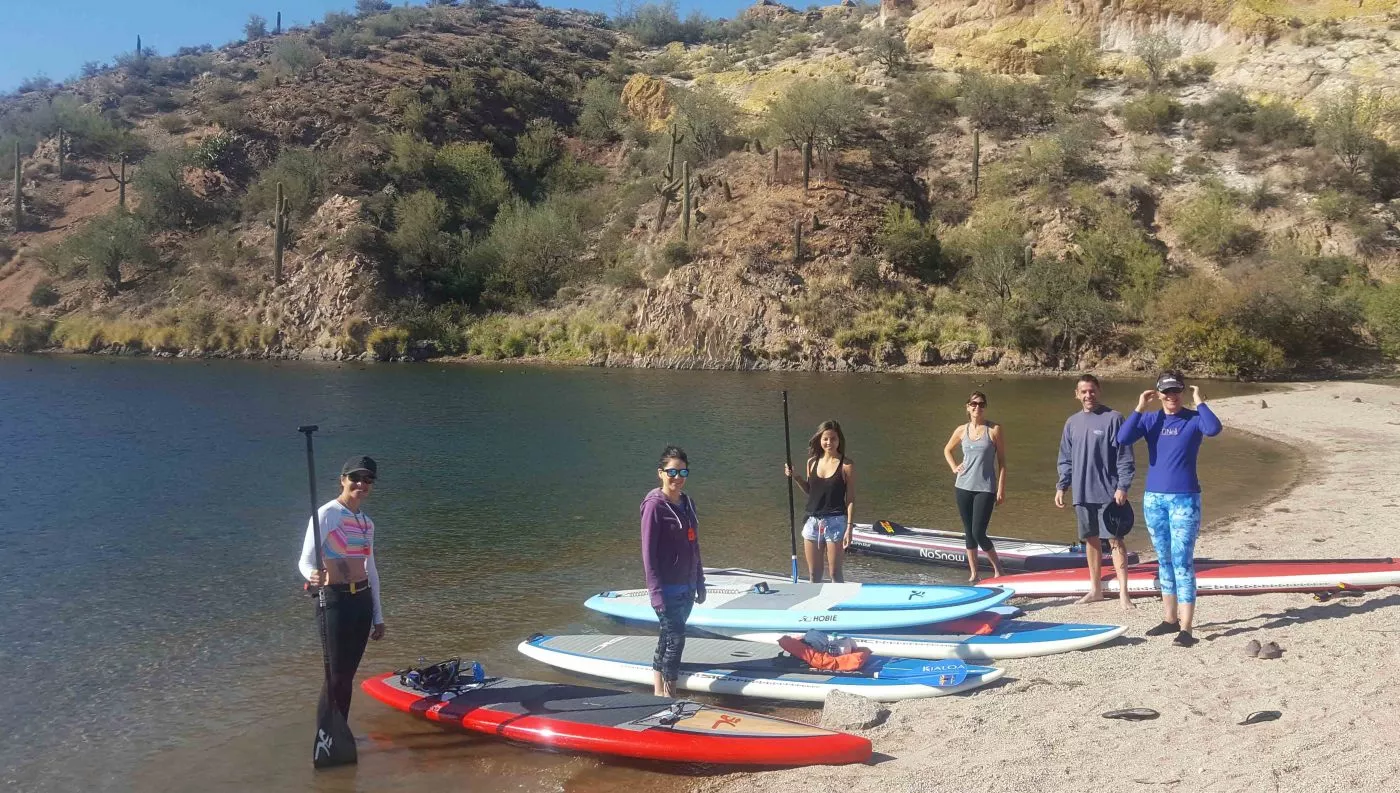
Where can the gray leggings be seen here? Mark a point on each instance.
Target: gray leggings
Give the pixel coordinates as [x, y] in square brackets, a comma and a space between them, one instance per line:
[975, 506]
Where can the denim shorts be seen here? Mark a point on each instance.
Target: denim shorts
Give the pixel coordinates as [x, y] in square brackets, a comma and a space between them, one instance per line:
[829, 528]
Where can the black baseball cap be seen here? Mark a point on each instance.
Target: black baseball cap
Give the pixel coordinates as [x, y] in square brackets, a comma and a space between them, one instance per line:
[1169, 381]
[359, 463]
[1118, 520]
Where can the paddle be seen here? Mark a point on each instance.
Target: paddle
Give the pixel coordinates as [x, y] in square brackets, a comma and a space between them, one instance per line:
[334, 744]
[792, 509]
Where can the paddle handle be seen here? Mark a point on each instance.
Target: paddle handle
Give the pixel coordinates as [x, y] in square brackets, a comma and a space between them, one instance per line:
[792, 506]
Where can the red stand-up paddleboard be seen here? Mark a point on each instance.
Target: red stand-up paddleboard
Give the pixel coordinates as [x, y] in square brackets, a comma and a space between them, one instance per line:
[1220, 577]
[603, 721]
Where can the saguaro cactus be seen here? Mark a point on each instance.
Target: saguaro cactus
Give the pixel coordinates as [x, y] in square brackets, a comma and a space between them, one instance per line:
[62, 151]
[122, 181]
[676, 138]
[667, 193]
[976, 161]
[280, 226]
[806, 164]
[19, 190]
[685, 201]
[278, 30]
[138, 45]
[797, 240]
[773, 178]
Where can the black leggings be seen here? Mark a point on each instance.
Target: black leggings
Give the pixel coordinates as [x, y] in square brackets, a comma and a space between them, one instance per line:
[346, 620]
[975, 506]
[670, 644]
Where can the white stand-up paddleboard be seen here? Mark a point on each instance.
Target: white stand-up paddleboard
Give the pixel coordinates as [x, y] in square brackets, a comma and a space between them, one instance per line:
[722, 666]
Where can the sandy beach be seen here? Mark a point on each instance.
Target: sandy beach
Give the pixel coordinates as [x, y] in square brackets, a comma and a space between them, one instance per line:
[1337, 684]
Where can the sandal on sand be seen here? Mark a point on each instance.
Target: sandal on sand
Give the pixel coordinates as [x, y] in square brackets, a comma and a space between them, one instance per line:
[1252, 649]
[1259, 716]
[1132, 714]
[1163, 628]
[1271, 650]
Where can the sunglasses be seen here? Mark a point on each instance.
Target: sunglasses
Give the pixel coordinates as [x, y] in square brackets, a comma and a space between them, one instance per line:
[977, 404]
[672, 473]
[1171, 391]
[359, 478]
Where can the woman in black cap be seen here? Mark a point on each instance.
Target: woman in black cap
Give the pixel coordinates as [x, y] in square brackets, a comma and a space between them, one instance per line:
[352, 614]
[1171, 503]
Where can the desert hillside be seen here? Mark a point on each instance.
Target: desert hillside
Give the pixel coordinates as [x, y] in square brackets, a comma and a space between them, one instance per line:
[919, 183]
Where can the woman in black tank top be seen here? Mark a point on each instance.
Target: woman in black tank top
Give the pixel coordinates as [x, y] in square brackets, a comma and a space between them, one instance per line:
[830, 487]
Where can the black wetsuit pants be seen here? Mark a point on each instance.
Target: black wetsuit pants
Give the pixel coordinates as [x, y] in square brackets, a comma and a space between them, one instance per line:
[975, 506]
[346, 620]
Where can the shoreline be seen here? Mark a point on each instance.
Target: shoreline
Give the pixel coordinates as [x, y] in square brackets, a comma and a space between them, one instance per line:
[1337, 684]
[1104, 368]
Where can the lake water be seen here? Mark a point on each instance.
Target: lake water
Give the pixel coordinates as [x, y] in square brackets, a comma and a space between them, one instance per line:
[152, 625]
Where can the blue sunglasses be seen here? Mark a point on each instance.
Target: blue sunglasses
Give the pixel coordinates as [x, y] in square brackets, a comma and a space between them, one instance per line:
[672, 473]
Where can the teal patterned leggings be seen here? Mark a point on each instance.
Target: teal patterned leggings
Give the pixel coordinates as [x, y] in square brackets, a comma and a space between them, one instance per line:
[1174, 520]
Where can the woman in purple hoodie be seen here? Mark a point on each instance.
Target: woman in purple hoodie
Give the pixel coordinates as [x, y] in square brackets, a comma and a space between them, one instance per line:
[671, 559]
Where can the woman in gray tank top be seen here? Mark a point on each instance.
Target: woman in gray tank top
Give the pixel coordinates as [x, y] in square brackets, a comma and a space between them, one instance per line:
[980, 480]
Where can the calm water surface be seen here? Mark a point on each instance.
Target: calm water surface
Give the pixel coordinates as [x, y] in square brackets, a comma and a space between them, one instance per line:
[151, 623]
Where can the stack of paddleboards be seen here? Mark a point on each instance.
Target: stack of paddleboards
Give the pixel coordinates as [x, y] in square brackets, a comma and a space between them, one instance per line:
[1221, 577]
[887, 538]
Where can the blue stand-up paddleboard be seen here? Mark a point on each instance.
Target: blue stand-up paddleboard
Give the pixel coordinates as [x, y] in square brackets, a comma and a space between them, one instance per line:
[770, 605]
[722, 666]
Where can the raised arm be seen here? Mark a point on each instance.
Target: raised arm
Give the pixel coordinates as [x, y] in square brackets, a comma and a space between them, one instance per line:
[1209, 423]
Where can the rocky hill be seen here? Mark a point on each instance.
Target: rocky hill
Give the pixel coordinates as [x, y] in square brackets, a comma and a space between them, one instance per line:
[1025, 185]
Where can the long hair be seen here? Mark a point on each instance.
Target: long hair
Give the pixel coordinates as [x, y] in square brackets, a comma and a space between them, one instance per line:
[814, 446]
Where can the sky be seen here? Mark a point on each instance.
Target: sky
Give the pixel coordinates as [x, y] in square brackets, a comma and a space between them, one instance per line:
[54, 38]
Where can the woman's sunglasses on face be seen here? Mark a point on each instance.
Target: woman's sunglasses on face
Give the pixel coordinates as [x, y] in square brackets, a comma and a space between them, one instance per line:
[976, 404]
[359, 478]
[672, 473]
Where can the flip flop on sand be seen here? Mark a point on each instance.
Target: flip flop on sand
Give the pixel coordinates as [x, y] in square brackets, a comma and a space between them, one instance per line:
[1270, 650]
[1132, 714]
[1252, 649]
[1259, 716]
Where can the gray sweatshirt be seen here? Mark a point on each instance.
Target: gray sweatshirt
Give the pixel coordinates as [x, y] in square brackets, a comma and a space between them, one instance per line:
[1092, 464]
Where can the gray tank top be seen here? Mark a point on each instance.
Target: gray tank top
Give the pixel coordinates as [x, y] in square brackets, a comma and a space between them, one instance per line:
[979, 473]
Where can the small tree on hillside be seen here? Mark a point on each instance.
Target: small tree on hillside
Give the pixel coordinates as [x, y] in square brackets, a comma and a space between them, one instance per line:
[824, 113]
[1067, 67]
[1157, 51]
[255, 28]
[601, 108]
[709, 118]
[887, 46]
[367, 7]
[1346, 125]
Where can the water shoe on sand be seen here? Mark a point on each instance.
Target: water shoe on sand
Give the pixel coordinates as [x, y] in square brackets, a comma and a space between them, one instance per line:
[1252, 649]
[1259, 716]
[1163, 628]
[1271, 650]
[1132, 714]
[1185, 639]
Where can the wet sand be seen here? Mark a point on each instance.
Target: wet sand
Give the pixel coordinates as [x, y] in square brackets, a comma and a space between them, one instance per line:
[1337, 684]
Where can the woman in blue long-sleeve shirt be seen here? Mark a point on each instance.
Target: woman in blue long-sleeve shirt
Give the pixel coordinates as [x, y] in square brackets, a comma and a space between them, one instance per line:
[1171, 502]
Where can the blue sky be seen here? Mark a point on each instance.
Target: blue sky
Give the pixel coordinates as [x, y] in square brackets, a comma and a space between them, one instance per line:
[54, 38]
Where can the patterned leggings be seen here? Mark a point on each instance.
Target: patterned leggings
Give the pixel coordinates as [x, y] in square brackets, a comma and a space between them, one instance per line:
[1174, 521]
[675, 610]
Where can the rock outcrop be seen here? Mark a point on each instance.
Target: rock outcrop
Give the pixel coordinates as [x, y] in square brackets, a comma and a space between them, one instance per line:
[648, 99]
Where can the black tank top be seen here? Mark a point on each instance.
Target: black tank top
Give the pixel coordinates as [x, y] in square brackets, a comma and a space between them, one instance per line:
[826, 497]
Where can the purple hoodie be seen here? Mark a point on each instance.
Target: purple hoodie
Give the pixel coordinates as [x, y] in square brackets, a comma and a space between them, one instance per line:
[670, 545]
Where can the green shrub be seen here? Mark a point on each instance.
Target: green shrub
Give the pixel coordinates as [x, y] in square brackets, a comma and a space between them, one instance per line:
[1210, 223]
[674, 254]
[1335, 205]
[1000, 104]
[1217, 348]
[1150, 113]
[419, 239]
[470, 177]
[19, 334]
[306, 178]
[912, 247]
[44, 294]
[101, 248]
[537, 248]
[166, 199]
[255, 28]
[1157, 167]
[294, 55]
[600, 109]
[865, 273]
[1383, 318]
[388, 343]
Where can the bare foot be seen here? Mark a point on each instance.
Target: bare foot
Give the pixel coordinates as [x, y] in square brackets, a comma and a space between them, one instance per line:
[1093, 597]
[998, 573]
[1128, 604]
[973, 580]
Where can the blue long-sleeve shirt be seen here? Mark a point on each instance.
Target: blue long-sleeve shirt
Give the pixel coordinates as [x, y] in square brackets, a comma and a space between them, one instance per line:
[1092, 464]
[1173, 441]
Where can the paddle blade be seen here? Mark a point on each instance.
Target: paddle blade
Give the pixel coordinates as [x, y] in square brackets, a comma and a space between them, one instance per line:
[334, 744]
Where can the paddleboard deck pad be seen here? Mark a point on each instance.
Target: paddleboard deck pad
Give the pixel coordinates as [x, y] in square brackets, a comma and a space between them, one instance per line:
[933, 546]
[603, 721]
[1221, 577]
[745, 601]
[723, 666]
[1008, 639]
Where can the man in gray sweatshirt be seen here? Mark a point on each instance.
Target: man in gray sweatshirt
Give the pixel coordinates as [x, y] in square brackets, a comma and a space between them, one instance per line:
[1097, 472]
